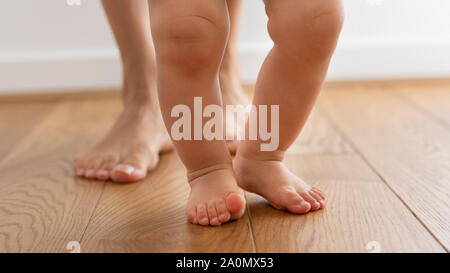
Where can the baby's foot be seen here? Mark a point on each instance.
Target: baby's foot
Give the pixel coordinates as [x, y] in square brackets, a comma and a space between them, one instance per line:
[215, 197]
[129, 149]
[273, 181]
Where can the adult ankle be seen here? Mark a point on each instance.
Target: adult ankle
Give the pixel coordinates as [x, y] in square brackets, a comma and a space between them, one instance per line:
[139, 86]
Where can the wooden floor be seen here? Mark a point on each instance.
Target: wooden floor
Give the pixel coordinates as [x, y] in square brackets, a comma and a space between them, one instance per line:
[380, 150]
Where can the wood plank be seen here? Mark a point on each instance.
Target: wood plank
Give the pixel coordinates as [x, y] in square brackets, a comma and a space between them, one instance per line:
[360, 209]
[156, 221]
[150, 217]
[319, 137]
[434, 99]
[42, 205]
[17, 120]
[408, 148]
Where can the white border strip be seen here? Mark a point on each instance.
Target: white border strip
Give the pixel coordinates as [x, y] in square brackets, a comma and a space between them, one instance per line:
[78, 69]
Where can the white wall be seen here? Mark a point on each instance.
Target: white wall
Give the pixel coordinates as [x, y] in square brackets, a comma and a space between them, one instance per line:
[48, 44]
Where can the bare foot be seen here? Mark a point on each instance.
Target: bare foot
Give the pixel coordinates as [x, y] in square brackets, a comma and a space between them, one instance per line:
[232, 94]
[131, 147]
[215, 197]
[273, 181]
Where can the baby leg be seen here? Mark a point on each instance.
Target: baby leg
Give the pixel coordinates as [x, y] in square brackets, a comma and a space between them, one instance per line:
[190, 38]
[305, 35]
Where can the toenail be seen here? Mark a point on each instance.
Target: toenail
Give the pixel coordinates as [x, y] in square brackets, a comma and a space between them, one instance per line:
[126, 169]
[80, 172]
[304, 203]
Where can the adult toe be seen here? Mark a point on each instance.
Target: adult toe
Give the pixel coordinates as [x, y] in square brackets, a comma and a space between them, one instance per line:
[127, 173]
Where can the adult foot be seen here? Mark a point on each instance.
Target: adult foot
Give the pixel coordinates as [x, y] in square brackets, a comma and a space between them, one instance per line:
[273, 181]
[131, 148]
[215, 197]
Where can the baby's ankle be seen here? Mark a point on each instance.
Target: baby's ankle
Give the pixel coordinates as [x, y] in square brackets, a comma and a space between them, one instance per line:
[202, 171]
[252, 152]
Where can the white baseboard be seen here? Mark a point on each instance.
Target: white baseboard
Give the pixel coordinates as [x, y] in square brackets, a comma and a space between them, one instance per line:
[391, 59]
[60, 70]
[100, 68]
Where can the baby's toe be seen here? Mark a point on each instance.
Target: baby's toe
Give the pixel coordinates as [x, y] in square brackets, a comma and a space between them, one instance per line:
[222, 212]
[300, 208]
[235, 203]
[192, 214]
[295, 203]
[319, 192]
[315, 205]
[212, 214]
[318, 198]
[202, 215]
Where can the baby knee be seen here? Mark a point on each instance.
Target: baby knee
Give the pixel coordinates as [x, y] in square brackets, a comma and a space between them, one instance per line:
[190, 42]
[313, 30]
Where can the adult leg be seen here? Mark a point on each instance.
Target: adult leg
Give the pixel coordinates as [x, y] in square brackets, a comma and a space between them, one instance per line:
[132, 146]
[230, 80]
[230, 77]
